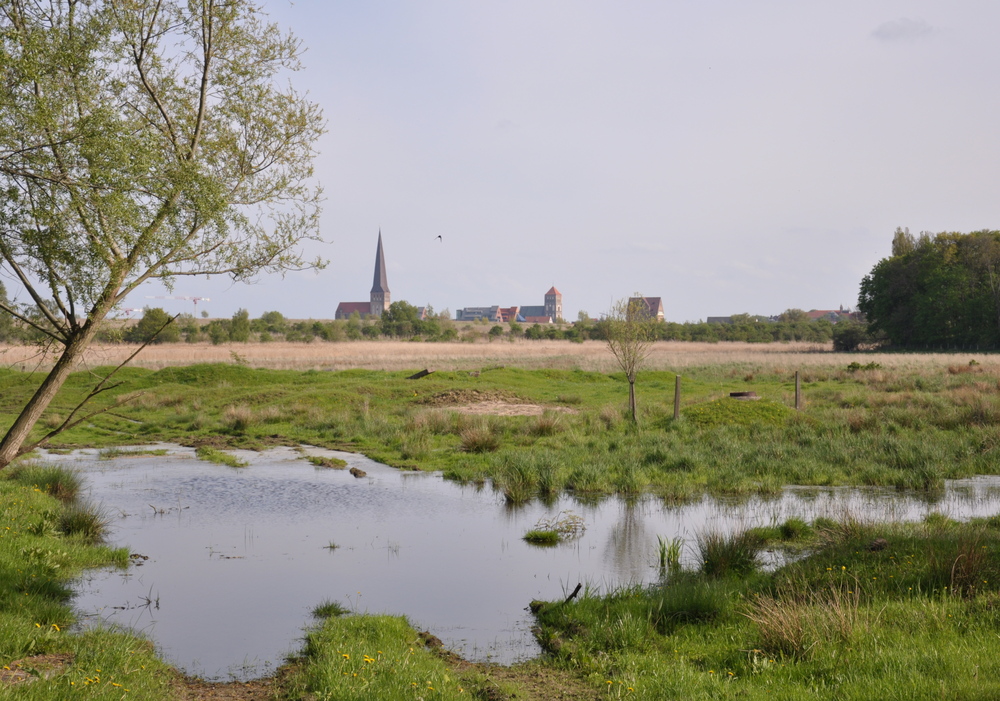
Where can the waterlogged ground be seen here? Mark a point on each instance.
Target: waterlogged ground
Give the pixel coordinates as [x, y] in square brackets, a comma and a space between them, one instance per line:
[238, 557]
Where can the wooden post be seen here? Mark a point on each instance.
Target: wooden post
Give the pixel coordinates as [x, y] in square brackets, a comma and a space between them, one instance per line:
[798, 391]
[677, 397]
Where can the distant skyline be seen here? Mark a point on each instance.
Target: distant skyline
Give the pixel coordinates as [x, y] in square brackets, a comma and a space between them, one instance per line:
[728, 157]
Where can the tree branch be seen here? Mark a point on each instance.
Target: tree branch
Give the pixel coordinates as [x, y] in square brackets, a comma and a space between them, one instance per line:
[98, 389]
[39, 302]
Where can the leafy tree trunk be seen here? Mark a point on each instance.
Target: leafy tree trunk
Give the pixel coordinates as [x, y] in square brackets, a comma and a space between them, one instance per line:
[13, 443]
[146, 140]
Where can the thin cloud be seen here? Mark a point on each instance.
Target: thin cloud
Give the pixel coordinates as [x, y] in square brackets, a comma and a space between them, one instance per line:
[902, 29]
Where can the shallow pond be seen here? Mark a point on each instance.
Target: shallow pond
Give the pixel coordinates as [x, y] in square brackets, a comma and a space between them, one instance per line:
[237, 558]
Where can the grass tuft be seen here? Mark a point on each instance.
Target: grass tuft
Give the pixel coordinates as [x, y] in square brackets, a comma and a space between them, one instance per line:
[219, 457]
[84, 520]
[542, 537]
[329, 609]
[725, 554]
[60, 482]
[477, 439]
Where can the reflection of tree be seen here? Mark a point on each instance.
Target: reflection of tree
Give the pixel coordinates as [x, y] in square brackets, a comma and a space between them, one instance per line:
[629, 547]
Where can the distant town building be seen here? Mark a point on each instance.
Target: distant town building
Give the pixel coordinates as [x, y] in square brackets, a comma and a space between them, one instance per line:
[476, 313]
[379, 299]
[653, 306]
[547, 313]
[831, 315]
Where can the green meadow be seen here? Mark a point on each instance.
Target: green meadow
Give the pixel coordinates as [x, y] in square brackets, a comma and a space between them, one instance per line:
[863, 610]
[859, 426]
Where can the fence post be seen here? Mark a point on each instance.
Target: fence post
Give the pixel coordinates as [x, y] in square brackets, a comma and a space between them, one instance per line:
[798, 391]
[677, 397]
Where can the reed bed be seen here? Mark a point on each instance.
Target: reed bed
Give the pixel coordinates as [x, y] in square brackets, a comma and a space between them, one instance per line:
[560, 355]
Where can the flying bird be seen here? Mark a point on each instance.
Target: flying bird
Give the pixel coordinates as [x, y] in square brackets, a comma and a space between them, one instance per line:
[440, 239]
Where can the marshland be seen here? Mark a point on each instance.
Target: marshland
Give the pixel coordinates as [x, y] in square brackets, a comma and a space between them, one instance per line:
[857, 601]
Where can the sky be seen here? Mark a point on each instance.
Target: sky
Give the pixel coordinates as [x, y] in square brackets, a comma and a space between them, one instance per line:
[726, 156]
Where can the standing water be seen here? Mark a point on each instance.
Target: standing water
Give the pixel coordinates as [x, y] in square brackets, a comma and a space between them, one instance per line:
[237, 558]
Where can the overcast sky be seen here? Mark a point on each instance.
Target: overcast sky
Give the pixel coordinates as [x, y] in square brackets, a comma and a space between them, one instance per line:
[726, 156]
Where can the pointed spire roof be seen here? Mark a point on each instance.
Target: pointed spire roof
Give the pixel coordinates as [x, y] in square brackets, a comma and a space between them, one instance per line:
[553, 291]
[380, 284]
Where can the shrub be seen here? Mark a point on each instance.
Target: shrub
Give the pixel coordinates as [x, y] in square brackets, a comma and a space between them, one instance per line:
[155, 326]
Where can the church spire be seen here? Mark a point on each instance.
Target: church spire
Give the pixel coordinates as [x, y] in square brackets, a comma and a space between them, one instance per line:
[380, 286]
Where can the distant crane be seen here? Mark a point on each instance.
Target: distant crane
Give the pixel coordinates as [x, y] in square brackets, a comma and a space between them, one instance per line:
[189, 299]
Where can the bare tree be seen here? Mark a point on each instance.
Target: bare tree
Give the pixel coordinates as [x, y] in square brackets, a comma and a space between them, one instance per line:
[630, 334]
[143, 140]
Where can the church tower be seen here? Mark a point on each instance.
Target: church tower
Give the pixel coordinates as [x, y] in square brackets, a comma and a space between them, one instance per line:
[380, 287]
[553, 304]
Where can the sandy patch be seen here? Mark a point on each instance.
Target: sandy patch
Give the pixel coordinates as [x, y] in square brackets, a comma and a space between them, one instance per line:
[507, 409]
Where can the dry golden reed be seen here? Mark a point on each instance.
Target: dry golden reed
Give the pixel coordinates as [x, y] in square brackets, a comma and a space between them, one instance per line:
[404, 355]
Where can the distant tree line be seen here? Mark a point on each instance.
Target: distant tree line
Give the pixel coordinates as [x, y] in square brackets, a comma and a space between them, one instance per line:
[403, 321]
[939, 291]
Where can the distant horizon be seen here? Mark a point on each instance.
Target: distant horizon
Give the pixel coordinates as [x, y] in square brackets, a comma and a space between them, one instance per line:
[728, 158]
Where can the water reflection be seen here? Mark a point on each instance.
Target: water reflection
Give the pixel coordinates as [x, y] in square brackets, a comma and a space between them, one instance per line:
[238, 558]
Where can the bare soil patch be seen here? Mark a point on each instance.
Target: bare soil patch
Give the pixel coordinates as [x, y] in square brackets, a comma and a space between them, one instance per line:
[535, 683]
[508, 409]
[195, 690]
[455, 397]
[492, 402]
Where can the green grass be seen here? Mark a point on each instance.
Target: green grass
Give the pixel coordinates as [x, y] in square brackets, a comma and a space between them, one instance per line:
[333, 463]
[902, 428]
[867, 611]
[39, 555]
[59, 482]
[113, 453]
[540, 537]
[916, 618]
[219, 457]
[371, 658]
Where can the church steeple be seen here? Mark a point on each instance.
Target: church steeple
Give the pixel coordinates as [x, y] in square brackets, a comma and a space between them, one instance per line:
[380, 286]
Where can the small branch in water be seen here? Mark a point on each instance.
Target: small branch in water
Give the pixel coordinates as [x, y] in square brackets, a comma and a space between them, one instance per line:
[576, 591]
